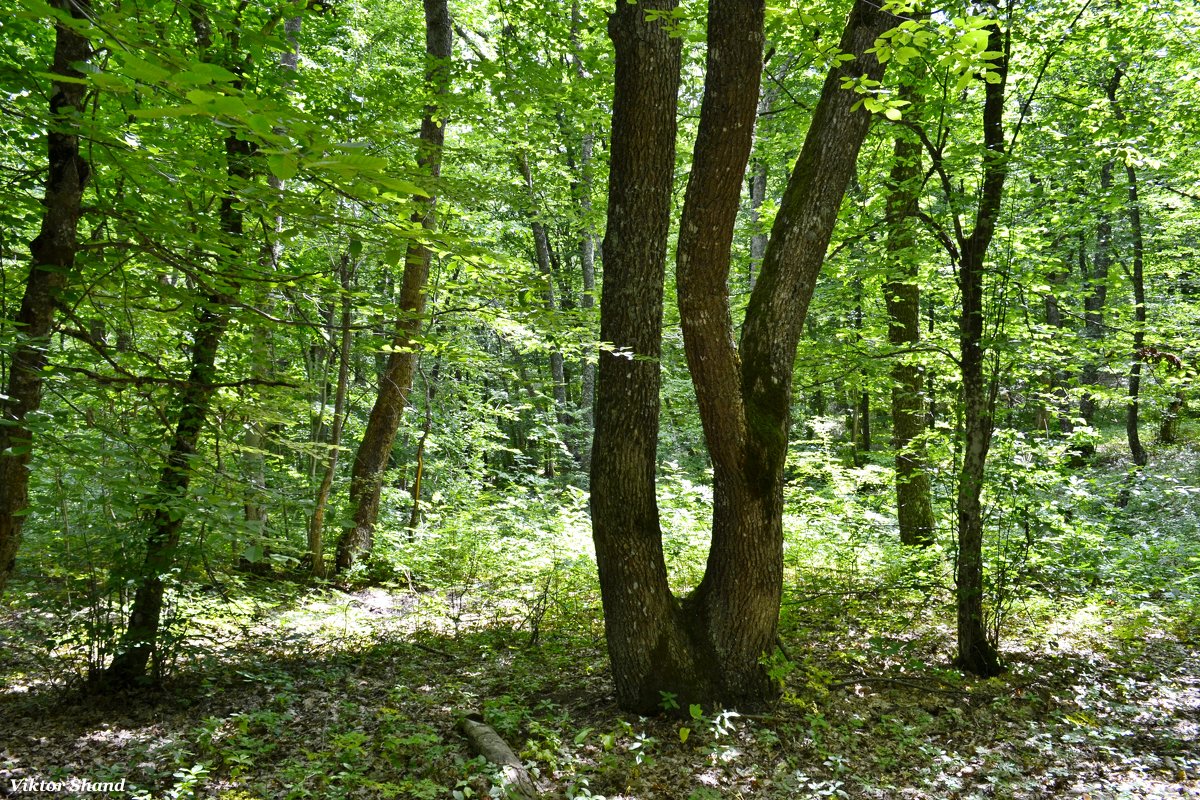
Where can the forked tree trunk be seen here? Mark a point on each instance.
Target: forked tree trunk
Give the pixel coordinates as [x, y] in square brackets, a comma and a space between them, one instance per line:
[51, 267]
[395, 384]
[709, 649]
[913, 505]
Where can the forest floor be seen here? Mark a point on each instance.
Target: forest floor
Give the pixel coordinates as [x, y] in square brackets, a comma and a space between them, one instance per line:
[337, 694]
[276, 690]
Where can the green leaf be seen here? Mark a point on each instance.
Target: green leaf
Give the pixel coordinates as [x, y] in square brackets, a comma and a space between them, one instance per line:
[143, 71]
[283, 166]
[683, 734]
[892, 114]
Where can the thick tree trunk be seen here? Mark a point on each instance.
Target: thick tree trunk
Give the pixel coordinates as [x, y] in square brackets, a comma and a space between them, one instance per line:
[735, 609]
[370, 462]
[51, 267]
[643, 622]
[902, 293]
[710, 649]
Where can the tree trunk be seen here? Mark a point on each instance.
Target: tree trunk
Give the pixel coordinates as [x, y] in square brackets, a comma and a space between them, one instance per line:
[587, 249]
[902, 294]
[647, 646]
[52, 265]
[976, 652]
[316, 523]
[1136, 450]
[1096, 281]
[395, 383]
[139, 643]
[545, 261]
[708, 649]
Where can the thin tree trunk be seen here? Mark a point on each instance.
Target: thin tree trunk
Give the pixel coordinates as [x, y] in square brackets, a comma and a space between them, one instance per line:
[316, 524]
[587, 250]
[1097, 281]
[139, 643]
[902, 294]
[138, 647]
[545, 261]
[52, 266]
[1136, 450]
[976, 652]
[414, 517]
[370, 462]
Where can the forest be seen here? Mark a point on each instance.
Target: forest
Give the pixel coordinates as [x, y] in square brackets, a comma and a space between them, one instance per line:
[636, 399]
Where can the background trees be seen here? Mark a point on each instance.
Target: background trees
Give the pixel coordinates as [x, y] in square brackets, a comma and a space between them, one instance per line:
[995, 237]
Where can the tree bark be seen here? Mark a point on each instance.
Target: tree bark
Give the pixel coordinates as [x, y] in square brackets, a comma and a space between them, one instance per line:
[902, 293]
[976, 652]
[709, 648]
[395, 384]
[316, 523]
[1136, 450]
[642, 620]
[51, 268]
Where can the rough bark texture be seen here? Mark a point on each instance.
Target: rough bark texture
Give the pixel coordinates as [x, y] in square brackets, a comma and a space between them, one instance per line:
[395, 383]
[735, 609]
[51, 266]
[707, 650]
[902, 293]
[976, 653]
[642, 619]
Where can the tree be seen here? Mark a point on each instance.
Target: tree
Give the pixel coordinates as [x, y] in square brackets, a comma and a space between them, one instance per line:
[51, 269]
[140, 641]
[709, 647]
[375, 449]
[902, 293]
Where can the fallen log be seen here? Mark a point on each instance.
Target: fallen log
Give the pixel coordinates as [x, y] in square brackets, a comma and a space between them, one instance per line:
[486, 742]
